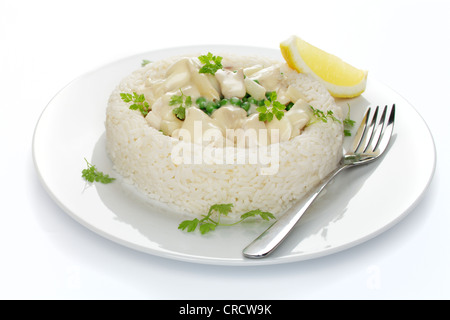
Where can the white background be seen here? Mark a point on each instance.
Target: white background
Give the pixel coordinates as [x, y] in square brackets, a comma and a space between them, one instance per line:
[44, 254]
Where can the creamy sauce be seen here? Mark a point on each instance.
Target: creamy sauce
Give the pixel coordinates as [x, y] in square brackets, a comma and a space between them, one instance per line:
[183, 78]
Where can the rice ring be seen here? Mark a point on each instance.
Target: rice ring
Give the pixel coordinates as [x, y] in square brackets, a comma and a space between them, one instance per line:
[144, 156]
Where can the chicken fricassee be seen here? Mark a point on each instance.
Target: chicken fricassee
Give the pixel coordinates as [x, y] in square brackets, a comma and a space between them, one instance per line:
[225, 98]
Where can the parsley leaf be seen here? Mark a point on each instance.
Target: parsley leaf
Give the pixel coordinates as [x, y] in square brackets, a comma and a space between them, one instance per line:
[257, 212]
[207, 227]
[210, 63]
[319, 115]
[145, 62]
[271, 108]
[91, 174]
[176, 99]
[180, 112]
[277, 109]
[126, 97]
[271, 96]
[221, 208]
[207, 223]
[190, 225]
[139, 102]
[183, 101]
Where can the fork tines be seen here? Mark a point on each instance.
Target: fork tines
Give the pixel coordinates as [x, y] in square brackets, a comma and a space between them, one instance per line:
[375, 131]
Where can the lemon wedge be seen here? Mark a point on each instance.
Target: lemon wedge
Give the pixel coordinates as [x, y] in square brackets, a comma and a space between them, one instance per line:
[341, 79]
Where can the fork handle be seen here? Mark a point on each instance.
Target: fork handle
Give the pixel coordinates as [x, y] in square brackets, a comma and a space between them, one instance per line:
[277, 232]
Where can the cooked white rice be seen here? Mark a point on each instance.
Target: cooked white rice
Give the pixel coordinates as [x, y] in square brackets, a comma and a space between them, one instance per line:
[142, 154]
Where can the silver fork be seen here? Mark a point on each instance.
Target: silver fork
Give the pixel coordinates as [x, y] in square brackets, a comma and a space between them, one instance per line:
[371, 140]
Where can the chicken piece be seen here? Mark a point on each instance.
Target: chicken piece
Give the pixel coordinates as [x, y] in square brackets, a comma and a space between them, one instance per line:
[154, 117]
[283, 127]
[178, 75]
[248, 72]
[298, 119]
[153, 89]
[198, 127]
[204, 83]
[254, 89]
[229, 117]
[294, 94]
[254, 132]
[231, 83]
[270, 77]
[282, 96]
[153, 120]
[301, 104]
[299, 116]
[169, 122]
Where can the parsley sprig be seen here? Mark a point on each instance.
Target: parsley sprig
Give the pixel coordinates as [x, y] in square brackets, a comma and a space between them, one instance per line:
[145, 62]
[210, 63]
[319, 115]
[138, 100]
[91, 174]
[207, 223]
[322, 116]
[183, 101]
[348, 124]
[271, 108]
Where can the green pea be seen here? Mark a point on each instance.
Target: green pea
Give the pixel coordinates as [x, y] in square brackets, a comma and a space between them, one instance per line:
[200, 100]
[210, 107]
[223, 102]
[245, 105]
[236, 101]
[252, 100]
[271, 95]
[202, 105]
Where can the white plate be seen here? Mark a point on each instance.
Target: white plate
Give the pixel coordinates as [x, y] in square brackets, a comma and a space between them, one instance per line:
[360, 204]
